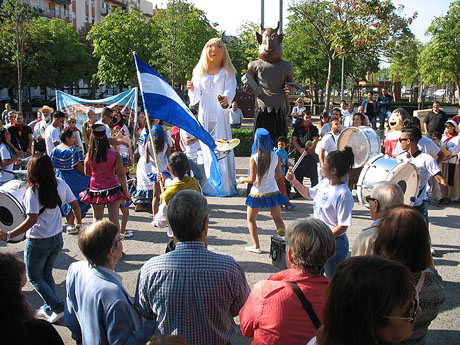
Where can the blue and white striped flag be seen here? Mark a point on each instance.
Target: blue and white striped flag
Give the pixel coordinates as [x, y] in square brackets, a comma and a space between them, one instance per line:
[162, 102]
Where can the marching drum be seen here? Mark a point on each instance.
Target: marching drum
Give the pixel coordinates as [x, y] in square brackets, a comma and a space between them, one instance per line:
[384, 168]
[364, 142]
[12, 211]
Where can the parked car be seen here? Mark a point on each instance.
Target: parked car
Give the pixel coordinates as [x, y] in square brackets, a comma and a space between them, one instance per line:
[440, 92]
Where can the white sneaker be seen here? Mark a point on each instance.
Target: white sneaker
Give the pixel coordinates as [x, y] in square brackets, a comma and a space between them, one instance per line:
[55, 317]
[40, 313]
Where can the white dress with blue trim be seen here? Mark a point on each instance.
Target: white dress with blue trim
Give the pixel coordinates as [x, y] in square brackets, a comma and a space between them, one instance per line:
[266, 194]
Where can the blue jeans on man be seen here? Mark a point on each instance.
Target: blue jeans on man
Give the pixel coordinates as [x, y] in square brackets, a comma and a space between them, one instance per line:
[341, 251]
[198, 171]
[39, 257]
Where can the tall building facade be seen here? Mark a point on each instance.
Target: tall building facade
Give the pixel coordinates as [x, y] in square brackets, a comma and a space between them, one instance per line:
[80, 12]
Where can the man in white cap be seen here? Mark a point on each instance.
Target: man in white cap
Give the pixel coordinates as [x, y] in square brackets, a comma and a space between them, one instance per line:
[39, 129]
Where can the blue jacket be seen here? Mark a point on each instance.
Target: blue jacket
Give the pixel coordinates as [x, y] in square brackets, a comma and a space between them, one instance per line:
[383, 103]
[365, 103]
[100, 311]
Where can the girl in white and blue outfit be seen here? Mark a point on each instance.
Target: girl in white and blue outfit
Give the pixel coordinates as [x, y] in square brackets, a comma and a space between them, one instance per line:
[332, 201]
[161, 147]
[264, 169]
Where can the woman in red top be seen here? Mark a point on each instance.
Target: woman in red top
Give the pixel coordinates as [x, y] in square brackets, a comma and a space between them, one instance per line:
[273, 314]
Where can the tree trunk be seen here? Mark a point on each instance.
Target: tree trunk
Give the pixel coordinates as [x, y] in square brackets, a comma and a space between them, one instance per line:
[328, 83]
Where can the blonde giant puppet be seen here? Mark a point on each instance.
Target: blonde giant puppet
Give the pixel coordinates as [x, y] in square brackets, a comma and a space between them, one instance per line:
[214, 75]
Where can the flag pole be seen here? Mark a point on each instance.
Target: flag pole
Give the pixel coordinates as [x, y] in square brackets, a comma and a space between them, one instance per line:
[151, 135]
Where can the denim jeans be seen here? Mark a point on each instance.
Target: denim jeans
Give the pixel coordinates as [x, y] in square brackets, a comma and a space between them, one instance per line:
[374, 122]
[39, 257]
[341, 252]
[198, 171]
[423, 209]
[382, 119]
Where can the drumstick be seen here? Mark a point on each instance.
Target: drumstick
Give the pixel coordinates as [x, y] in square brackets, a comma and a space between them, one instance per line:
[308, 145]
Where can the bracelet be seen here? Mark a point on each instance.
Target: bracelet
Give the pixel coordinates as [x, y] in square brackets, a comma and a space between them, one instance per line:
[8, 235]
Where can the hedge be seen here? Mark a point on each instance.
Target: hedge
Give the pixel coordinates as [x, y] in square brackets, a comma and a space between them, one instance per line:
[245, 135]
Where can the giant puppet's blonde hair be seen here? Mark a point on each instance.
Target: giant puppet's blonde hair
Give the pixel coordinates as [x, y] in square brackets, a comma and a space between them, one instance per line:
[201, 67]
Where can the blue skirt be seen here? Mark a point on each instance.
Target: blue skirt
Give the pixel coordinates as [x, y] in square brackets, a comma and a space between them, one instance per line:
[268, 200]
[77, 183]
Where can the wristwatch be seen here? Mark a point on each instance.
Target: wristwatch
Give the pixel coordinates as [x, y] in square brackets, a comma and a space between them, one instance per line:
[7, 236]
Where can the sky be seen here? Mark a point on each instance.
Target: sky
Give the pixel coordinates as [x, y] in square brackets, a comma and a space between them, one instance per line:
[232, 13]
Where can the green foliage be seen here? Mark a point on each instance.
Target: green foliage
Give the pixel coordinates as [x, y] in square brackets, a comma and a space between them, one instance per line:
[115, 39]
[348, 27]
[440, 58]
[181, 31]
[246, 140]
[404, 60]
[67, 57]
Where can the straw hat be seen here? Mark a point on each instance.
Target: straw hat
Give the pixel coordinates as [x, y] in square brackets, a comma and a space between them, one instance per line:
[45, 107]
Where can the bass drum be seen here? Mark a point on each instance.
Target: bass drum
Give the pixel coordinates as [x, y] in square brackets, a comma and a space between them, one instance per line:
[384, 168]
[364, 142]
[12, 211]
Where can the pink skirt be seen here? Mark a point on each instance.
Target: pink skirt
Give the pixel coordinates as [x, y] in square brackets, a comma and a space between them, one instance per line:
[102, 197]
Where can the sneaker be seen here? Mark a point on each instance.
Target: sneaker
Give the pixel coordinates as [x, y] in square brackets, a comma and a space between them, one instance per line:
[55, 317]
[127, 234]
[70, 229]
[253, 250]
[40, 313]
[290, 206]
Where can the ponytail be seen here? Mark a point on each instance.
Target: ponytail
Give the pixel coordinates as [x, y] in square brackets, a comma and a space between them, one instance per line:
[342, 161]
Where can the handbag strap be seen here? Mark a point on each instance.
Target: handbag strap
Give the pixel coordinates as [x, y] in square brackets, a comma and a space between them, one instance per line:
[306, 305]
[419, 285]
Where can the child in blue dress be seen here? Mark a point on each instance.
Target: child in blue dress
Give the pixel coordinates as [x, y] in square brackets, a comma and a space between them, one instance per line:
[264, 169]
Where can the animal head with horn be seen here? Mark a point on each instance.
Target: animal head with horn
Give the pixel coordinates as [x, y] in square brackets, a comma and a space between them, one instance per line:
[270, 44]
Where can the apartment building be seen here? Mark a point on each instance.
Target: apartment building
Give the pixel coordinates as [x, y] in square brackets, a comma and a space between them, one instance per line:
[79, 12]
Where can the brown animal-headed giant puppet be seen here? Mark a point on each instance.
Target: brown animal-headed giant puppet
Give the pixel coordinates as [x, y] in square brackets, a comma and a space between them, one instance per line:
[267, 79]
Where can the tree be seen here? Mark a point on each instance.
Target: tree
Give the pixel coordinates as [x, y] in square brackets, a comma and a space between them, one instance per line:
[68, 58]
[183, 30]
[15, 19]
[115, 39]
[440, 57]
[89, 74]
[404, 61]
[351, 27]
[300, 47]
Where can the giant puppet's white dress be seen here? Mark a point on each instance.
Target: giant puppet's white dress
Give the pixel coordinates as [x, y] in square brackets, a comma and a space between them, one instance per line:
[215, 120]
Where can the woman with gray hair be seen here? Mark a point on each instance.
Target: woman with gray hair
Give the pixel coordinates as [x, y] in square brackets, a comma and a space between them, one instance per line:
[276, 310]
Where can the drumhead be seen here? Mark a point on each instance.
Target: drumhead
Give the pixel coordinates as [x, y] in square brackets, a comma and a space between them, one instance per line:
[364, 142]
[407, 176]
[12, 212]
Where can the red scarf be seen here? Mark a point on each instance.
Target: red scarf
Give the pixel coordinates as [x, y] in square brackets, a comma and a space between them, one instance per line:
[20, 127]
[450, 137]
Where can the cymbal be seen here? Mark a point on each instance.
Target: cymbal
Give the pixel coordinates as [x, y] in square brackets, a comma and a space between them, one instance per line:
[227, 145]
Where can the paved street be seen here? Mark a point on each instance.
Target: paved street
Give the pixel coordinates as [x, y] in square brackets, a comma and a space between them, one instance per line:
[228, 234]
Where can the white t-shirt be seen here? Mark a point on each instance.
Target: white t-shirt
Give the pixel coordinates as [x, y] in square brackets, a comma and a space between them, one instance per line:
[453, 145]
[424, 144]
[51, 136]
[296, 110]
[236, 116]
[268, 183]
[39, 129]
[107, 128]
[49, 223]
[162, 157]
[191, 151]
[427, 167]
[332, 204]
[5, 154]
[328, 143]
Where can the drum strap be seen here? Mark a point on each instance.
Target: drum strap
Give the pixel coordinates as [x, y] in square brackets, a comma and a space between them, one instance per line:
[306, 305]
